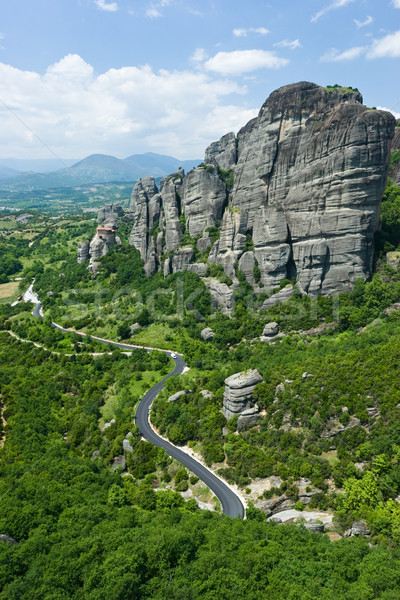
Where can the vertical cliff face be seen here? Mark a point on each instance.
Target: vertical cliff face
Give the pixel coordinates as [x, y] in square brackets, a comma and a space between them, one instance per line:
[395, 172]
[308, 183]
[309, 173]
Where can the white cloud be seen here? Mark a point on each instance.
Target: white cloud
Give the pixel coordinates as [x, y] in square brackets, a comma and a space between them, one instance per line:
[335, 4]
[394, 113]
[108, 6]
[386, 46]
[199, 55]
[122, 111]
[289, 44]
[396, 3]
[335, 56]
[244, 61]
[367, 21]
[244, 32]
[153, 13]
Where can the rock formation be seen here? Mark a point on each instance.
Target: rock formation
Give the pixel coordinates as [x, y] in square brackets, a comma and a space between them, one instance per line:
[110, 211]
[105, 237]
[207, 334]
[238, 395]
[83, 252]
[395, 171]
[308, 176]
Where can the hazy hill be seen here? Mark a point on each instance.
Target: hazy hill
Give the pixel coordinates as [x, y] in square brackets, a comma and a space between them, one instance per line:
[36, 165]
[99, 168]
[6, 172]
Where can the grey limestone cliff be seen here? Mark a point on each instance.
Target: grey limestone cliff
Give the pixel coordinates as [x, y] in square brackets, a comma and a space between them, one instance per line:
[308, 183]
[238, 395]
[308, 177]
[222, 153]
[83, 252]
[395, 171]
[104, 238]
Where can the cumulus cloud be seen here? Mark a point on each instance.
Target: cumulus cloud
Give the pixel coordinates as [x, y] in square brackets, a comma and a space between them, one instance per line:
[367, 21]
[386, 46]
[107, 6]
[199, 55]
[335, 4]
[335, 56]
[292, 45]
[153, 13]
[244, 61]
[77, 112]
[245, 32]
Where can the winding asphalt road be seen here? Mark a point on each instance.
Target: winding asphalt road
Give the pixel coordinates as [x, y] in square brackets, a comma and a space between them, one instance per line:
[230, 502]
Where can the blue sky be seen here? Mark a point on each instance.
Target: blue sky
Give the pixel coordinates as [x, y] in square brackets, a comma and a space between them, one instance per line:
[170, 76]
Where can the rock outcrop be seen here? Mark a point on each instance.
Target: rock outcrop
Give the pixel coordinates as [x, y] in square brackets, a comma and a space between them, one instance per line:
[395, 170]
[308, 184]
[308, 176]
[223, 153]
[110, 211]
[207, 334]
[104, 238]
[238, 395]
[83, 252]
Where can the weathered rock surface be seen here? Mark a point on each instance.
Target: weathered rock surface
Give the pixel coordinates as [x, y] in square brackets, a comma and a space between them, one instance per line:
[309, 172]
[126, 445]
[358, 528]
[199, 268]
[204, 242]
[207, 334]
[104, 239]
[238, 395]
[314, 527]
[222, 295]
[206, 394]
[110, 211]
[248, 417]
[395, 172]
[246, 264]
[119, 463]
[281, 296]
[271, 329]
[203, 196]
[308, 184]
[222, 153]
[181, 259]
[83, 252]
[177, 395]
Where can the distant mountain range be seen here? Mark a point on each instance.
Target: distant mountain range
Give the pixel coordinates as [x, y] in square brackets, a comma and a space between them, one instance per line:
[36, 165]
[96, 168]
